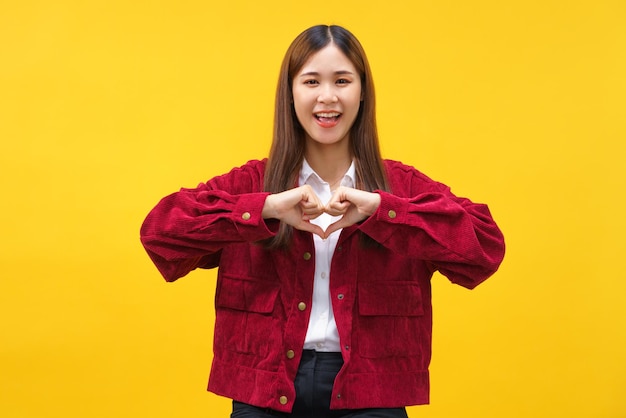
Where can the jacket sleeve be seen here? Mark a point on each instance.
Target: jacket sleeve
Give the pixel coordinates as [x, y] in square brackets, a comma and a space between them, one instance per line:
[188, 229]
[454, 235]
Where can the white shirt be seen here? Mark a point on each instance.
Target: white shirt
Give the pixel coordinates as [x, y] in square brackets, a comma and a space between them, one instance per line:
[322, 334]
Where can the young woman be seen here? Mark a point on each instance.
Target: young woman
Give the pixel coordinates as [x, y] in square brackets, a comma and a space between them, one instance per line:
[325, 251]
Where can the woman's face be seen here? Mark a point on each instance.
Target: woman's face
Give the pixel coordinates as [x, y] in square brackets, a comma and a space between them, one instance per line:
[327, 96]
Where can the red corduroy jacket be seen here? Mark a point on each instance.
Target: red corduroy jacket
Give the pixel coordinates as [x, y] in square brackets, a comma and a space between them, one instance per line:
[381, 294]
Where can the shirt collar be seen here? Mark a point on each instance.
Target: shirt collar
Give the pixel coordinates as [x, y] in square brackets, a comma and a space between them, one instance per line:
[307, 172]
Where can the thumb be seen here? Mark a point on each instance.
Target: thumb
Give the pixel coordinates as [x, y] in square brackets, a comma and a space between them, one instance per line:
[312, 228]
[335, 226]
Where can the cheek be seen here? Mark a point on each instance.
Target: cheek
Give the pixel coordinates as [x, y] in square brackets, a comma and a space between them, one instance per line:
[300, 111]
[355, 100]
[355, 105]
[300, 103]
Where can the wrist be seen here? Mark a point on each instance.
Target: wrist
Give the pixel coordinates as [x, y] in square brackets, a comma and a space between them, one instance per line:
[375, 203]
[268, 210]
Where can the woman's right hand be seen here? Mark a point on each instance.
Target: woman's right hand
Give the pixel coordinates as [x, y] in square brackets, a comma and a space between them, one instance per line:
[295, 207]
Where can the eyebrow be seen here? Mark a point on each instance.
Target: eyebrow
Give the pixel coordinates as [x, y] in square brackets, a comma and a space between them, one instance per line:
[315, 73]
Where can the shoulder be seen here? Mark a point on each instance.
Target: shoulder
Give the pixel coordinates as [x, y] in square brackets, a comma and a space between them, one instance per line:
[397, 169]
[252, 168]
[403, 177]
[243, 179]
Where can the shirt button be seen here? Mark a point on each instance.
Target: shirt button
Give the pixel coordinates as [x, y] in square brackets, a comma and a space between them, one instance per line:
[392, 214]
[302, 306]
[340, 296]
[323, 275]
[290, 354]
[307, 255]
[283, 400]
[245, 216]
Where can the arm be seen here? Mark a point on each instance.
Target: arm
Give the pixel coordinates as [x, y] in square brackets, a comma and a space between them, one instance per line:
[422, 219]
[457, 237]
[188, 229]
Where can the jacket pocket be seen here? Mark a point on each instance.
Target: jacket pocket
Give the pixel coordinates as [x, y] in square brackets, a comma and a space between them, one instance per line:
[244, 320]
[390, 319]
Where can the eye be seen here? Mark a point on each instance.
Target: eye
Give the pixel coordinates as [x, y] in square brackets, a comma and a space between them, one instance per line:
[311, 82]
[343, 81]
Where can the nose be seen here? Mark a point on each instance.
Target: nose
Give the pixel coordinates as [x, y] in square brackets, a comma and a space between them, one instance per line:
[327, 94]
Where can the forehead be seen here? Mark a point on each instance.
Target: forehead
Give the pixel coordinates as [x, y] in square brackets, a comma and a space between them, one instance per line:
[328, 59]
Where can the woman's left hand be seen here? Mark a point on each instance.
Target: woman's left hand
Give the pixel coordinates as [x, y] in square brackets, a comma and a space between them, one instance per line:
[355, 205]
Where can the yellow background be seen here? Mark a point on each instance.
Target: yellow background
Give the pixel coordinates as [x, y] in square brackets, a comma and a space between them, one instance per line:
[106, 106]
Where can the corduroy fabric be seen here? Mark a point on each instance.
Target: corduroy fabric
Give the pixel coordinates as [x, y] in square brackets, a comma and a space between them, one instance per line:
[381, 295]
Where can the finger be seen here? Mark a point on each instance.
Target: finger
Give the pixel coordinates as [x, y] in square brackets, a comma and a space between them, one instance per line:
[309, 196]
[337, 208]
[335, 226]
[312, 228]
[309, 201]
[309, 217]
[311, 207]
[311, 211]
[340, 195]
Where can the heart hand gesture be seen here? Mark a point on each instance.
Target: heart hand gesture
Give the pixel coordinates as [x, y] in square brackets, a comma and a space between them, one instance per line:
[296, 207]
[353, 205]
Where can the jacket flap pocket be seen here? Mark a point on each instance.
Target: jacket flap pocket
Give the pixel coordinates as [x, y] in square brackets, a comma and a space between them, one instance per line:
[390, 299]
[246, 295]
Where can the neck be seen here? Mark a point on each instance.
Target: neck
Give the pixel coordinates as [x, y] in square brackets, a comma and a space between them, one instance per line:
[329, 162]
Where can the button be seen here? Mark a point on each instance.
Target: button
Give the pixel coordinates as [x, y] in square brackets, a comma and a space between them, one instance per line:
[290, 354]
[323, 275]
[307, 255]
[339, 396]
[340, 296]
[245, 216]
[392, 214]
[347, 347]
[283, 400]
[302, 306]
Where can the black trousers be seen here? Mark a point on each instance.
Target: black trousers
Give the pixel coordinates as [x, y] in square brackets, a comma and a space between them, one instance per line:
[314, 385]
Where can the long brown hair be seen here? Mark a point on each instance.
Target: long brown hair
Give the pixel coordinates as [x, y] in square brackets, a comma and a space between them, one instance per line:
[287, 151]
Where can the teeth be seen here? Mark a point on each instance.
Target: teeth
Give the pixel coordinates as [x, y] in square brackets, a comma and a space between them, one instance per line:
[327, 115]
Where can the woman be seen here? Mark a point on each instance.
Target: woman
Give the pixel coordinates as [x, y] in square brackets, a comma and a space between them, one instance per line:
[325, 251]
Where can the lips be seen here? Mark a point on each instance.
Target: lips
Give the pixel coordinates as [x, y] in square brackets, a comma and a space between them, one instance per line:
[327, 119]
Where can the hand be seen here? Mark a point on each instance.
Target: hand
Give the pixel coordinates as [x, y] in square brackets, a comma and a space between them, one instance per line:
[295, 207]
[354, 205]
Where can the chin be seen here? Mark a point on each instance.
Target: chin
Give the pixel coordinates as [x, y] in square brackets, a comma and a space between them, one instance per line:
[327, 139]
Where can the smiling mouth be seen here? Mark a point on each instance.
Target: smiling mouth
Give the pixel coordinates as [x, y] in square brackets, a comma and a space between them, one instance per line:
[327, 118]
